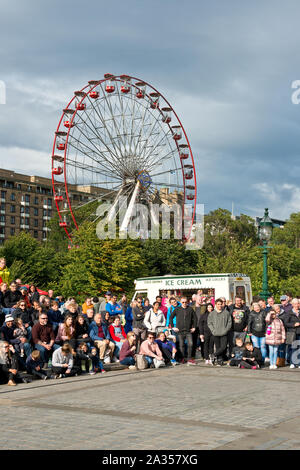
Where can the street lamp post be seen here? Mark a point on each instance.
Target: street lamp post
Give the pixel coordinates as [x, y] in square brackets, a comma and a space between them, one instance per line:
[265, 233]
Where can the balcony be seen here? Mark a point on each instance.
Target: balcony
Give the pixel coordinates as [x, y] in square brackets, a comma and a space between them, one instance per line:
[24, 203]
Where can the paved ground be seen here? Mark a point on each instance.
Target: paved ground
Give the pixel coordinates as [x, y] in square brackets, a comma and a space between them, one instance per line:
[199, 407]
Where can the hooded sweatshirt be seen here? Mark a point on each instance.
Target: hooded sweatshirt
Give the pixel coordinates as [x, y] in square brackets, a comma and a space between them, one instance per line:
[219, 323]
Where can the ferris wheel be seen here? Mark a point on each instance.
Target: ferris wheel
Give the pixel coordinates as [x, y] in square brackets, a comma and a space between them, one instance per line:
[119, 139]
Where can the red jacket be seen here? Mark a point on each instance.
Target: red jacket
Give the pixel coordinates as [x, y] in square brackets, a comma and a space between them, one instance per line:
[115, 338]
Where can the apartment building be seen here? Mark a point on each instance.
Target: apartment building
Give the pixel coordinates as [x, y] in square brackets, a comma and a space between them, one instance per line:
[26, 203]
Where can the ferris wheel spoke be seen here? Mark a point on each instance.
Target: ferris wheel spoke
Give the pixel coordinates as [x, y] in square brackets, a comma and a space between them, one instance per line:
[99, 162]
[159, 160]
[165, 172]
[90, 168]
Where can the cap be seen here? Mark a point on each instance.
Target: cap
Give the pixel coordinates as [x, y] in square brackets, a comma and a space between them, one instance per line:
[283, 297]
[108, 293]
[9, 318]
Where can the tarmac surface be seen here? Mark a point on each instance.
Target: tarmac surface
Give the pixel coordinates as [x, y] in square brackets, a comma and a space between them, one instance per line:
[180, 408]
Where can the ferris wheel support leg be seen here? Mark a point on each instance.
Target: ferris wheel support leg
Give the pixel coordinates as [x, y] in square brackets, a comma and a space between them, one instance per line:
[154, 215]
[112, 211]
[130, 208]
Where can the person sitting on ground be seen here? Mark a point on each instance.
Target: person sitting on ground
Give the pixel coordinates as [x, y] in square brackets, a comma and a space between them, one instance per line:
[87, 359]
[43, 337]
[117, 334]
[66, 333]
[154, 318]
[151, 351]
[34, 365]
[127, 353]
[9, 364]
[99, 334]
[168, 348]
[252, 357]
[237, 353]
[63, 362]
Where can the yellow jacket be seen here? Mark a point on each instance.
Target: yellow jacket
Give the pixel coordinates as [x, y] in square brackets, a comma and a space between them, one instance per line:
[5, 275]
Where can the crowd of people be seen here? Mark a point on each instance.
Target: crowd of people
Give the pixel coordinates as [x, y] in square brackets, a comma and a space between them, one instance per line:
[48, 336]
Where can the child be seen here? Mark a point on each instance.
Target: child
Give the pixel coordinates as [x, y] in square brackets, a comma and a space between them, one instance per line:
[34, 365]
[20, 332]
[252, 357]
[237, 353]
[88, 359]
[63, 362]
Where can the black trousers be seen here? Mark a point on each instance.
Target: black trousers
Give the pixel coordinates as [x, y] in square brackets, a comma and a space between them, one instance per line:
[220, 343]
[249, 365]
[234, 362]
[62, 370]
[208, 346]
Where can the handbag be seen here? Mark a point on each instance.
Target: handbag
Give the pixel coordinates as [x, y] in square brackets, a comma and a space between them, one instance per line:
[141, 362]
[290, 337]
[158, 363]
[280, 362]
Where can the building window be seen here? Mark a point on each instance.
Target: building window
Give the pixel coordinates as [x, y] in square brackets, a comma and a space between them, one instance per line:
[13, 208]
[36, 200]
[22, 209]
[44, 234]
[35, 234]
[27, 210]
[44, 212]
[12, 219]
[49, 212]
[12, 230]
[3, 194]
[2, 230]
[2, 206]
[12, 197]
[26, 220]
[18, 186]
[2, 218]
[36, 211]
[36, 222]
[27, 198]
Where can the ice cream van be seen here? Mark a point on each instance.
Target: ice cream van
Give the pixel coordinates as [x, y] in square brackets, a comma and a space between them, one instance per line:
[226, 285]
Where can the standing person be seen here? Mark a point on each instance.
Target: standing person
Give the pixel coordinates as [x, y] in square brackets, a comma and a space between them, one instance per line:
[127, 353]
[292, 323]
[138, 326]
[186, 322]
[99, 334]
[107, 296]
[162, 307]
[275, 335]
[96, 304]
[112, 307]
[154, 318]
[87, 304]
[219, 322]
[285, 304]
[239, 315]
[257, 328]
[43, 337]
[206, 336]
[174, 303]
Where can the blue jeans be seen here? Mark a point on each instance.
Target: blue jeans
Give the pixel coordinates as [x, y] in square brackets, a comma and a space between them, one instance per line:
[128, 361]
[273, 354]
[118, 347]
[260, 342]
[45, 354]
[149, 360]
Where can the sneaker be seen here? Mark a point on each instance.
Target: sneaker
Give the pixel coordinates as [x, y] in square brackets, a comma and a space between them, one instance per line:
[254, 367]
[45, 377]
[92, 372]
[103, 372]
[173, 362]
[106, 360]
[292, 366]
[115, 359]
[191, 362]
[242, 367]
[274, 367]
[26, 381]
[132, 367]
[220, 363]
[267, 360]
[207, 361]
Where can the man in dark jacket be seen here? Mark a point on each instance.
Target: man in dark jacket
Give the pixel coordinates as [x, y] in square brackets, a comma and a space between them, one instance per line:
[186, 322]
[239, 315]
[12, 296]
[138, 327]
[257, 328]
[43, 337]
[292, 324]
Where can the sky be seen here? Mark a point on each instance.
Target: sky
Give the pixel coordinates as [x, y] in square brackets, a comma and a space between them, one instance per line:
[227, 68]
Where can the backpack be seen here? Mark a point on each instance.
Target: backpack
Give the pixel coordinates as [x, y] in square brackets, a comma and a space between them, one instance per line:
[141, 362]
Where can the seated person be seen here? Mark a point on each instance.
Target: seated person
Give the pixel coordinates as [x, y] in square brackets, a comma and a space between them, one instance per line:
[34, 365]
[117, 334]
[63, 362]
[151, 351]
[100, 336]
[252, 357]
[167, 347]
[89, 316]
[237, 352]
[82, 330]
[88, 360]
[9, 364]
[21, 343]
[112, 307]
[55, 317]
[127, 353]
[43, 337]
[66, 333]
